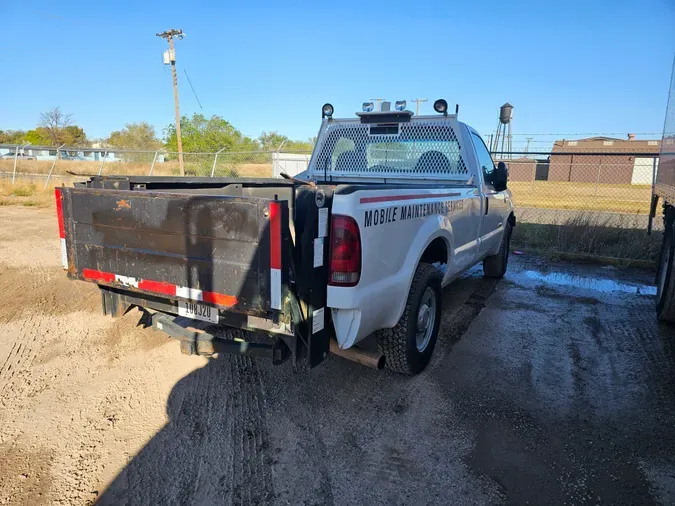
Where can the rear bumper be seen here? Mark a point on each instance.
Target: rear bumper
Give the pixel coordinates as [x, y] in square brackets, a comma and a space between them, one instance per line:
[116, 302]
[195, 340]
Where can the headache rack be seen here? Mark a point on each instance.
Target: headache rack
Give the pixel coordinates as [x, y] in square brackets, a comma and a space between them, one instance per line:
[389, 146]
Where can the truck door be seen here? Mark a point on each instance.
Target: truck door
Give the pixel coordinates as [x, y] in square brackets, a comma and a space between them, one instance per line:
[494, 204]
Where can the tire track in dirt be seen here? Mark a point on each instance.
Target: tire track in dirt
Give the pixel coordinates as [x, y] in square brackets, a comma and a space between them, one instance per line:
[19, 361]
[251, 477]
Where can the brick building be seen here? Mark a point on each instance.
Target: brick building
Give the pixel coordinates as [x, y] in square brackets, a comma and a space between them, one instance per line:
[585, 166]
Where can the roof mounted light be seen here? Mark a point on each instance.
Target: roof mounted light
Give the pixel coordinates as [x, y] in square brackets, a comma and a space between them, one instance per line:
[368, 107]
[400, 105]
[326, 111]
[441, 106]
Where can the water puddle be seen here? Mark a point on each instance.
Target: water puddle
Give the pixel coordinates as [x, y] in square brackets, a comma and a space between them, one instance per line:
[597, 284]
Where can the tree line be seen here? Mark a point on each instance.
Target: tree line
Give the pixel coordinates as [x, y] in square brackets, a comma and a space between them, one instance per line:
[199, 134]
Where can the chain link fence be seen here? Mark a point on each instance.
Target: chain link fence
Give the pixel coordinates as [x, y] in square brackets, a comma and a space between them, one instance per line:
[547, 186]
[50, 164]
[556, 186]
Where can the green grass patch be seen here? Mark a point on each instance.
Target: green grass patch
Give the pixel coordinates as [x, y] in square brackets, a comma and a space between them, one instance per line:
[23, 190]
[587, 237]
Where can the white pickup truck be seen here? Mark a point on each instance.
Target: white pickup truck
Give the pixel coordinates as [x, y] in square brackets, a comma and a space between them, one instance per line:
[391, 209]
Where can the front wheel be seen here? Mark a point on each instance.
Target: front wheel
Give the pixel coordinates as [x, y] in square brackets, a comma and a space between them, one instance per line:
[495, 266]
[408, 346]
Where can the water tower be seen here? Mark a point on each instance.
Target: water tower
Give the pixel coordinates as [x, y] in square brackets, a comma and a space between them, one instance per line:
[502, 139]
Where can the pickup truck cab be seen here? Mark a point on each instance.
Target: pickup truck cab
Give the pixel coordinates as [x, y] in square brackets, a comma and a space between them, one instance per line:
[392, 208]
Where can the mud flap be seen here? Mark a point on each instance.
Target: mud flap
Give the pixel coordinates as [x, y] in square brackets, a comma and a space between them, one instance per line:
[313, 207]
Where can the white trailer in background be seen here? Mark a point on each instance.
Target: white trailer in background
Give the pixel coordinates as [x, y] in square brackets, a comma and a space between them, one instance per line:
[664, 189]
[290, 164]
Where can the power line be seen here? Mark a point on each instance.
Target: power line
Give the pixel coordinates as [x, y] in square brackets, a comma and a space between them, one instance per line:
[193, 90]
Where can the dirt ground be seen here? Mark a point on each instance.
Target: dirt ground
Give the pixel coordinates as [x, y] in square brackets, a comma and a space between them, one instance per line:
[555, 385]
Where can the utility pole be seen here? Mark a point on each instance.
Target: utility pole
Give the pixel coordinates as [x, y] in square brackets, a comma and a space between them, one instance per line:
[169, 35]
[378, 102]
[528, 139]
[418, 101]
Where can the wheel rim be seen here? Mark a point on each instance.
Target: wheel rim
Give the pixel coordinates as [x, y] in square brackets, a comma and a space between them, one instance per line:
[426, 319]
[663, 269]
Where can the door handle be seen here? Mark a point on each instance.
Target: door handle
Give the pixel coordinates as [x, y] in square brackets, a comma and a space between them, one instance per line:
[487, 205]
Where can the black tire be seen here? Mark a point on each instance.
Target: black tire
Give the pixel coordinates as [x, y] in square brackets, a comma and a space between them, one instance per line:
[399, 344]
[665, 280]
[495, 266]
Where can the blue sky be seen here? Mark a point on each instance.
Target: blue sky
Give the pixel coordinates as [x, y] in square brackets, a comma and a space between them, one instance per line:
[567, 67]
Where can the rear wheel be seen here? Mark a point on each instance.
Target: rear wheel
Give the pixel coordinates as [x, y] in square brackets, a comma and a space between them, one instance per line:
[409, 345]
[665, 280]
[495, 266]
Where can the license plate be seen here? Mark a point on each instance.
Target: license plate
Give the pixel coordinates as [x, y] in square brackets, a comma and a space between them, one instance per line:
[198, 311]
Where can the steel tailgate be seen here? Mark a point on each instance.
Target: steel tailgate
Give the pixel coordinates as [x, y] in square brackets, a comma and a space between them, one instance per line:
[203, 244]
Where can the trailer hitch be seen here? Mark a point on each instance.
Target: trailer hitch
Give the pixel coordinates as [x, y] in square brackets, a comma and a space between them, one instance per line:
[194, 340]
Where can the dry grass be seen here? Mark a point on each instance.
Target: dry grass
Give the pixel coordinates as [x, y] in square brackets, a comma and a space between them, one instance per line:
[30, 191]
[197, 165]
[25, 192]
[632, 199]
[588, 236]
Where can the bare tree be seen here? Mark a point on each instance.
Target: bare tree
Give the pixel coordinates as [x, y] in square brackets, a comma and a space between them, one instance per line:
[54, 122]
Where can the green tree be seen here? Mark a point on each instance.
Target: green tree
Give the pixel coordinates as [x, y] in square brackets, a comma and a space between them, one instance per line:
[299, 146]
[72, 135]
[272, 141]
[135, 136]
[13, 137]
[207, 135]
[38, 137]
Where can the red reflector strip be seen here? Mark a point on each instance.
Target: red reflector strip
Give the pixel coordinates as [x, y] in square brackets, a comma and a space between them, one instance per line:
[219, 298]
[157, 287]
[394, 198]
[59, 212]
[275, 235]
[162, 287]
[275, 255]
[106, 277]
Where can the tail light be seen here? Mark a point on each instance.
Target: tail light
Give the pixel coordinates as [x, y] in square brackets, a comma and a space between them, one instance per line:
[345, 252]
[62, 231]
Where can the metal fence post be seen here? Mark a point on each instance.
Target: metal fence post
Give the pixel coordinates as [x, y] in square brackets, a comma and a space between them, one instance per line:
[534, 175]
[53, 165]
[16, 156]
[100, 169]
[597, 181]
[152, 165]
[215, 159]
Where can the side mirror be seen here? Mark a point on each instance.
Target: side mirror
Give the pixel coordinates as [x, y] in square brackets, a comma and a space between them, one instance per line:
[500, 177]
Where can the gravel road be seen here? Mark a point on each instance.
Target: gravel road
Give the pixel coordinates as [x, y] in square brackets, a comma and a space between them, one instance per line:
[555, 385]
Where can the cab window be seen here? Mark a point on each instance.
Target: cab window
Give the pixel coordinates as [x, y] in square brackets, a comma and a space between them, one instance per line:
[484, 159]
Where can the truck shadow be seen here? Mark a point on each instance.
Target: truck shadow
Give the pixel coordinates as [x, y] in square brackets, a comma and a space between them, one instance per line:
[212, 445]
[238, 426]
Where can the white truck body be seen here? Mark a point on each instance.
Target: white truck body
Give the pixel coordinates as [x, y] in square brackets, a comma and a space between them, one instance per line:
[391, 208]
[400, 214]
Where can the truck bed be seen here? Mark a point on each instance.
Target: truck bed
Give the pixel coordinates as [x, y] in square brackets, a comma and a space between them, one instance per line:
[237, 247]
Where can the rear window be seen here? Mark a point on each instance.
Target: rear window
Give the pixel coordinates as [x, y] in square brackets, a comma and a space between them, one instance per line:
[409, 149]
